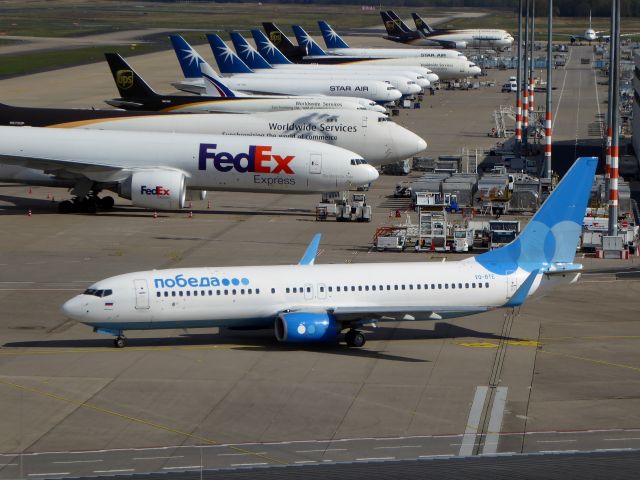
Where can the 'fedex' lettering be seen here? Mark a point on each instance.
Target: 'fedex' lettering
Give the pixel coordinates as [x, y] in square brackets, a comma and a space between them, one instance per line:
[158, 190]
[258, 160]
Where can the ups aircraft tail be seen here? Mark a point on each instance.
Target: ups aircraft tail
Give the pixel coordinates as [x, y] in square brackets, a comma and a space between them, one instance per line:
[397, 30]
[130, 84]
[282, 42]
[421, 25]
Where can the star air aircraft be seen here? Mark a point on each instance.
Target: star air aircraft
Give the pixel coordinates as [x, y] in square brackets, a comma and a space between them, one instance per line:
[316, 303]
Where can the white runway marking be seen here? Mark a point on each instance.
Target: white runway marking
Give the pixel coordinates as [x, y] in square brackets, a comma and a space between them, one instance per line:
[119, 470]
[79, 461]
[620, 439]
[555, 115]
[305, 461]
[157, 458]
[469, 439]
[183, 467]
[557, 441]
[48, 474]
[401, 446]
[495, 421]
[247, 464]
[240, 454]
[374, 458]
[323, 450]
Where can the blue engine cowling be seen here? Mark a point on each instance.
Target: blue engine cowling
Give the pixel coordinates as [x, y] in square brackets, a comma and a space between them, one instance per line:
[298, 327]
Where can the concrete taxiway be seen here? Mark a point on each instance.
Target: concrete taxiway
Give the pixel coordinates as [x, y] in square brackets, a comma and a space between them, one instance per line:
[562, 374]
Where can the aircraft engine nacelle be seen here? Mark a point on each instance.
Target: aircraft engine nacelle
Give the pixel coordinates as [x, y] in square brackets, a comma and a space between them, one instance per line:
[299, 327]
[460, 45]
[160, 190]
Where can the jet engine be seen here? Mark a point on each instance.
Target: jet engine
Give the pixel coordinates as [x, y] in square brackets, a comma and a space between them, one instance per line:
[161, 190]
[453, 44]
[460, 45]
[302, 327]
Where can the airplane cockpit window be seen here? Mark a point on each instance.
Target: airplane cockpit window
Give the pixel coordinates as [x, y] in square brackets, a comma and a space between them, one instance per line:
[98, 293]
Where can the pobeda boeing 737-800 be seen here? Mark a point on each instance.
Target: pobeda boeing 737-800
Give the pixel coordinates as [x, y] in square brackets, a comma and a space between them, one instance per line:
[315, 303]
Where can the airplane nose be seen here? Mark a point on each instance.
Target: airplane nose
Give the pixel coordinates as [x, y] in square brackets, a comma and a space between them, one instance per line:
[475, 70]
[73, 308]
[415, 88]
[379, 108]
[406, 144]
[394, 94]
[432, 77]
[371, 174]
[423, 82]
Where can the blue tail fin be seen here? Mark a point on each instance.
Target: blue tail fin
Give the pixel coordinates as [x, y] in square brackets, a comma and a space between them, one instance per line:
[551, 237]
[227, 60]
[268, 50]
[189, 59]
[247, 53]
[305, 40]
[211, 78]
[331, 38]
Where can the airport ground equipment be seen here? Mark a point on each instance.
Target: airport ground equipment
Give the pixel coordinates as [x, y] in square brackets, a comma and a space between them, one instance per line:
[355, 208]
[390, 238]
[502, 232]
[462, 239]
[403, 190]
[432, 230]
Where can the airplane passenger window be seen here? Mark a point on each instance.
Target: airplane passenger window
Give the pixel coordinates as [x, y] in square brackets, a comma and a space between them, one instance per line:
[446, 286]
[226, 292]
[403, 286]
[381, 287]
[242, 291]
[273, 290]
[249, 291]
[411, 286]
[188, 293]
[173, 294]
[479, 285]
[473, 285]
[418, 286]
[466, 285]
[287, 289]
[210, 292]
[373, 287]
[439, 286]
[257, 291]
[330, 289]
[359, 288]
[195, 293]
[366, 287]
[157, 294]
[233, 292]
[295, 289]
[453, 285]
[338, 288]
[202, 293]
[166, 294]
[308, 289]
[353, 288]
[395, 287]
[433, 286]
[321, 289]
[388, 287]
[486, 284]
[426, 287]
[218, 292]
[180, 293]
[459, 285]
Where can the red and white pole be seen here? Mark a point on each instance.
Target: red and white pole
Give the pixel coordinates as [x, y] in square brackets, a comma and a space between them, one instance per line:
[518, 121]
[531, 94]
[525, 109]
[547, 138]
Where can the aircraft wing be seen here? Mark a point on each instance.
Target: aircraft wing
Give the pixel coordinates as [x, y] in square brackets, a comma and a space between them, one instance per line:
[55, 165]
[347, 314]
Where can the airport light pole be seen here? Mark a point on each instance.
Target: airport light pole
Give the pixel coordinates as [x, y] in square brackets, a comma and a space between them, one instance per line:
[525, 87]
[548, 113]
[518, 81]
[607, 166]
[532, 49]
[614, 77]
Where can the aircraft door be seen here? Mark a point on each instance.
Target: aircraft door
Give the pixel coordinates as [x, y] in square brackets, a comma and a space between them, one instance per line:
[364, 122]
[308, 291]
[512, 284]
[142, 294]
[315, 163]
[322, 291]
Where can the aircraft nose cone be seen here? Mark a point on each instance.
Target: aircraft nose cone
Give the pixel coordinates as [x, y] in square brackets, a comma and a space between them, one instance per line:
[379, 108]
[432, 77]
[406, 144]
[371, 174]
[475, 70]
[72, 308]
[394, 94]
[422, 144]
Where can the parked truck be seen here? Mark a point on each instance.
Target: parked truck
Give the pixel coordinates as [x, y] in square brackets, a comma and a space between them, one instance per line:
[502, 232]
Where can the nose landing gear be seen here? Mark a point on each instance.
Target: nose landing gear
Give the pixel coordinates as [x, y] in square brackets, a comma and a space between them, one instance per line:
[120, 341]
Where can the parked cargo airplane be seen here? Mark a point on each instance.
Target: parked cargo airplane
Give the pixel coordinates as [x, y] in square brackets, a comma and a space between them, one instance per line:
[337, 46]
[156, 169]
[313, 303]
[398, 31]
[370, 134]
[135, 94]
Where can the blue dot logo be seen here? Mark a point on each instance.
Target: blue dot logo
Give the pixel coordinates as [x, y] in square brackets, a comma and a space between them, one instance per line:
[245, 281]
[235, 281]
[225, 282]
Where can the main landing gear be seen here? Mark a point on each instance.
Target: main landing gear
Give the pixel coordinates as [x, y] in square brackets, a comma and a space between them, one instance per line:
[120, 341]
[88, 204]
[355, 338]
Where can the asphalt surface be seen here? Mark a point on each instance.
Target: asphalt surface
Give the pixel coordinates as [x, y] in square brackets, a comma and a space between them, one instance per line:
[561, 375]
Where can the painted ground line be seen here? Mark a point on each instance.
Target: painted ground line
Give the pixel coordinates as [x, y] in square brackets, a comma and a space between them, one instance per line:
[401, 446]
[182, 467]
[157, 458]
[48, 474]
[556, 441]
[305, 461]
[365, 459]
[495, 421]
[620, 439]
[115, 470]
[79, 461]
[469, 439]
[248, 464]
[323, 450]
[240, 454]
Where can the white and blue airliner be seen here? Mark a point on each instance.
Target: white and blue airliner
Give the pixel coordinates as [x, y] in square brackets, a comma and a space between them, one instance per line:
[317, 303]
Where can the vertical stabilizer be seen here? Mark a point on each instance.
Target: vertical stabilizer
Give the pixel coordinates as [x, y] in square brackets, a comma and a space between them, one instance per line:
[130, 84]
[305, 40]
[331, 38]
[227, 60]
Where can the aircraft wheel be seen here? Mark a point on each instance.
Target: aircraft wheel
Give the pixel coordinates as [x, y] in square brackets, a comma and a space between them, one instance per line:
[120, 342]
[90, 205]
[354, 338]
[65, 207]
[107, 203]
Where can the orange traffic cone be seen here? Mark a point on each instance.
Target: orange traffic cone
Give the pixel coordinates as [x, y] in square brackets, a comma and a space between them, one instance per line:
[155, 214]
[29, 213]
[208, 204]
[30, 191]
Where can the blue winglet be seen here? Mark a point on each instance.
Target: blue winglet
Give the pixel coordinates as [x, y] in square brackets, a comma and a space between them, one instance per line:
[310, 253]
[331, 38]
[305, 40]
[521, 294]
